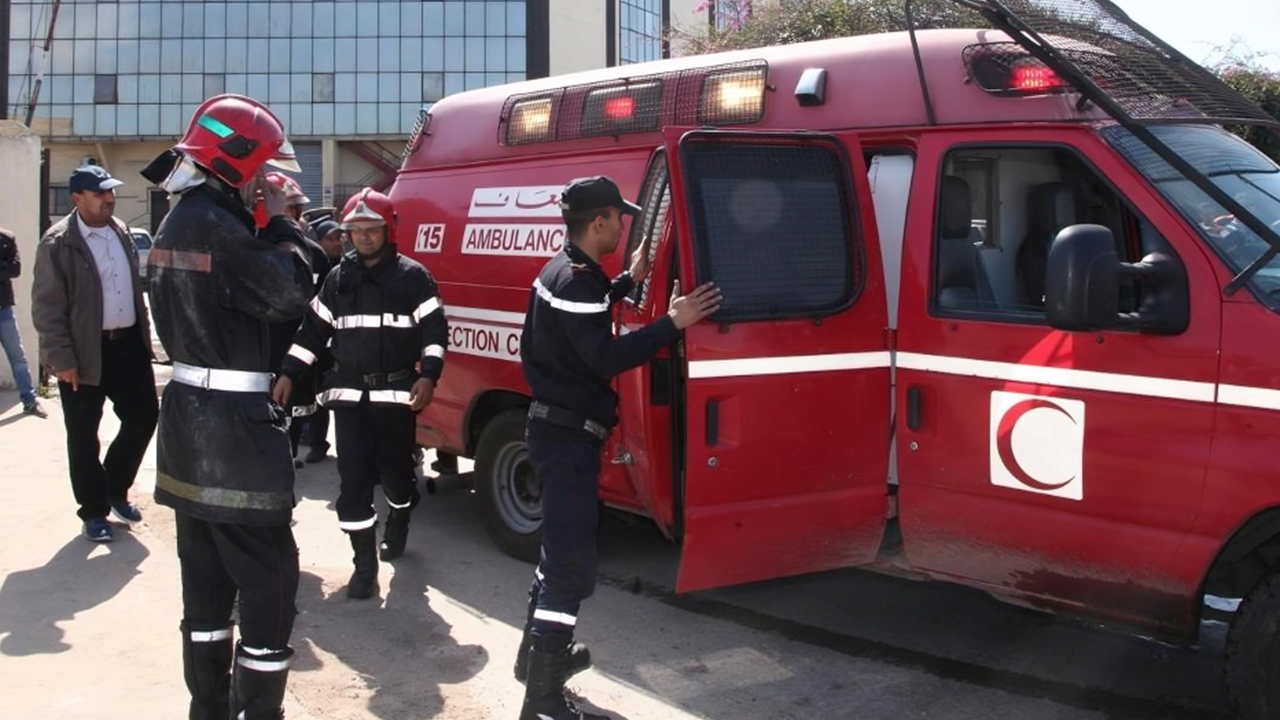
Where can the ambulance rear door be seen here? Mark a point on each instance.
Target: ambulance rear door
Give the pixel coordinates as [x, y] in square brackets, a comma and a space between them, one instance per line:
[786, 393]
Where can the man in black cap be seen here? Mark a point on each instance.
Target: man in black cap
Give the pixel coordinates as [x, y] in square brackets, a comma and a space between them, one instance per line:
[570, 355]
[95, 336]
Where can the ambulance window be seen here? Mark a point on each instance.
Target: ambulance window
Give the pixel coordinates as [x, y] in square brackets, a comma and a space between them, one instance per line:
[646, 230]
[773, 227]
[991, 244]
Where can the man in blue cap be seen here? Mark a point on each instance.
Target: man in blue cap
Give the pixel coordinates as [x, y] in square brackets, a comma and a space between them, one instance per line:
[95, 336]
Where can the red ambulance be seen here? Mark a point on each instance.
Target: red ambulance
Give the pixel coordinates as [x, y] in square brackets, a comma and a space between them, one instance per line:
[1000, 309]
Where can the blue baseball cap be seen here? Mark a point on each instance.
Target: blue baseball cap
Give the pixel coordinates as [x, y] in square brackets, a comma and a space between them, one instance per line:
[93, 178]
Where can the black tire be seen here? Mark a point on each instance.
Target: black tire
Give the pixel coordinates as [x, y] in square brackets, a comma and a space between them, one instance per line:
[1253, 653]
[510, 496]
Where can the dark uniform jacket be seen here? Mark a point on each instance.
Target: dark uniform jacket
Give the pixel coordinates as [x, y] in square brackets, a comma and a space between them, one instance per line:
[303, 402]
[380, 321]
[568, 349]
[10, 266]
[66, 299]
[216, 288]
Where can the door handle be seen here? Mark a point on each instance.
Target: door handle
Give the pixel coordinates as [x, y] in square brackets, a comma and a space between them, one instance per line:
[713, 423]
[914, 409]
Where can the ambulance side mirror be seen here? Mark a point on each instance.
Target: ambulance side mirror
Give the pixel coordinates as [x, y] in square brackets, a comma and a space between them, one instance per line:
[1082, 279]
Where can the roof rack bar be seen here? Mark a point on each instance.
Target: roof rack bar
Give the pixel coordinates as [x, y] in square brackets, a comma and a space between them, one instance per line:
[909, 8]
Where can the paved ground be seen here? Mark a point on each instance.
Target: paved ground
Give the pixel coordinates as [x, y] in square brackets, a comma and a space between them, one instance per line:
[88, 630]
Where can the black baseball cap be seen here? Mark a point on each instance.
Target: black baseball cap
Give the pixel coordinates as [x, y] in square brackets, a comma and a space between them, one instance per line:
[93, 178]
[324, 227]
[595, 193]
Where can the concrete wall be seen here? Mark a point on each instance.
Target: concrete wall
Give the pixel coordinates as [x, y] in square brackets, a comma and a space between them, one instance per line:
[577, 36]
[20, 213]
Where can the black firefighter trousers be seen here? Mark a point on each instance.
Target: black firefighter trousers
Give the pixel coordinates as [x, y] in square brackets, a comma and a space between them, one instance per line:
[375, 442]
[260, 564]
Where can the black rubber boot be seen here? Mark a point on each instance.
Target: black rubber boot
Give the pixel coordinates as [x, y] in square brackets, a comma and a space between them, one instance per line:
[206, 665]
[259, 683]
[544, 696]
[579, 655]
[364, 581]
[396, 533]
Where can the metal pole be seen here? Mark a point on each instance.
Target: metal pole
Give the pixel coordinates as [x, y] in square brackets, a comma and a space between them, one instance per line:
[48, 44]
[4, 59]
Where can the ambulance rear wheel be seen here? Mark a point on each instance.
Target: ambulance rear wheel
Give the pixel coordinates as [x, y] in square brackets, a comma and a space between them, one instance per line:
[510, 496]
[1253, 653]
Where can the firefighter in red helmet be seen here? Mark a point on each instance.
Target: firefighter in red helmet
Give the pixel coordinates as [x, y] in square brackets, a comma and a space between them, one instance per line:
[382, 314]
[223, 459]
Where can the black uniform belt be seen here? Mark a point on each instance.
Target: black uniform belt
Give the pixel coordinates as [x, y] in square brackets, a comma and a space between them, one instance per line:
[375, 379]
[567, 418]
[117, 333]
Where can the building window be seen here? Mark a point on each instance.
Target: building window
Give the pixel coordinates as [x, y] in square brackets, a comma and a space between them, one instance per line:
[59, 200]
[214, 84]
[104, 90]
[640, 30]
[322, 88]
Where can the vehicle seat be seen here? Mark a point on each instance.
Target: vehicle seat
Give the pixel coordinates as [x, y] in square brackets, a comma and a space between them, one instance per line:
[1053, 208]
[962, 278]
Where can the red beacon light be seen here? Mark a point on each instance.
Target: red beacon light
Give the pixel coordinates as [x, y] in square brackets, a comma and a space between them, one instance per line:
[1031, 76]
[622, 107]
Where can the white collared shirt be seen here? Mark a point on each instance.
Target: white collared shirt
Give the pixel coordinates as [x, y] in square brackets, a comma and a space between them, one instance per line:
[115, 272]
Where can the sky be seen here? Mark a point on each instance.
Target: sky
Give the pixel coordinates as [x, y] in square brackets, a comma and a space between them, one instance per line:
[1197, 27]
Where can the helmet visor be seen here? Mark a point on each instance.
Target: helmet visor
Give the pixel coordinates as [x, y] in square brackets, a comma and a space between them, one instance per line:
[286, 158]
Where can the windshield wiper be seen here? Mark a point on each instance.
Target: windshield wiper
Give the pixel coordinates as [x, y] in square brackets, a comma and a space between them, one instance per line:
[1238, 281]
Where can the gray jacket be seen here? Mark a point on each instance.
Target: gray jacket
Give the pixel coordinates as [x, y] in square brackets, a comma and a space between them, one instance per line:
[66, 300]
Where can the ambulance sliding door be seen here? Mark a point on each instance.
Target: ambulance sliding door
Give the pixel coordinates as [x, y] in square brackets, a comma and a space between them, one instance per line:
[787, 386]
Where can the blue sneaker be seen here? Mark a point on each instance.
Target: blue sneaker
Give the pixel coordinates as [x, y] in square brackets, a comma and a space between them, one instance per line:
[126, 512]
[98, 530]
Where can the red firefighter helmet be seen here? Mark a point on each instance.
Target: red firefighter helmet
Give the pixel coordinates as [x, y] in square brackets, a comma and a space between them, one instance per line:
[370, 207]
[292, 190]
[233, 136]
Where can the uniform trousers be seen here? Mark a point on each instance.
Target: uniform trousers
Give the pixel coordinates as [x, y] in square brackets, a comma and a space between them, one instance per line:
[569, 471]
[259, 564]
[375, 443]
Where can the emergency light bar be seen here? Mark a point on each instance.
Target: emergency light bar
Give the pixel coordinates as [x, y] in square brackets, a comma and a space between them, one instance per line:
[730, 94]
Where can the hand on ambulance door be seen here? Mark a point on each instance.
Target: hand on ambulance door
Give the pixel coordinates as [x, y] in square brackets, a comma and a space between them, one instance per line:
[421, 394]
[282, 391]
[640, 265]
[688, 309]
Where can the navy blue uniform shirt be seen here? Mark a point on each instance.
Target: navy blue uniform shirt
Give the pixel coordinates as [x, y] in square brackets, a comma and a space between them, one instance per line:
[568, 349]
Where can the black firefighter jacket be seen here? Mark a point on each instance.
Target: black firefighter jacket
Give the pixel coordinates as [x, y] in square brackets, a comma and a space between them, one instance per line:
[381, 321]
[216, 287]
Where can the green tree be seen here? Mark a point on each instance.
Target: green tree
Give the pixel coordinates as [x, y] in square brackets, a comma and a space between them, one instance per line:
[746, 24]
[1245, 72]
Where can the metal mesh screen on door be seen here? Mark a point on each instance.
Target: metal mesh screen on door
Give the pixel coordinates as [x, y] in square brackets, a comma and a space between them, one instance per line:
[774, 228]
[1148, 80]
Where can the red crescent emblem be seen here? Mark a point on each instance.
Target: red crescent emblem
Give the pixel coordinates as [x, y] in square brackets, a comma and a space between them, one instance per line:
[1004, 442]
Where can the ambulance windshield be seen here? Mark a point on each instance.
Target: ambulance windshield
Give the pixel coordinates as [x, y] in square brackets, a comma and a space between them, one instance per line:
[1249, 177]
